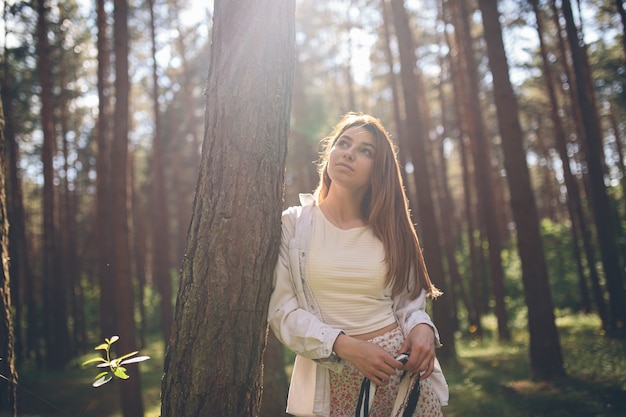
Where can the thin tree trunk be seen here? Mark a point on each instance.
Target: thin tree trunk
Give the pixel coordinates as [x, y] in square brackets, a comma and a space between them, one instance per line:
[67, 230]
[622, 14]
[575, 191]
[401, 135]
[449, 220]
[462, 116]
[545, 351]
[483, 171]
[549, 196]
[600, 201]
[619, 150]
[574, 202]
[130, 391]
[416, 122]
[160, 219]
[139, 243]
[213, 363]
[55, 314]
[104, 244]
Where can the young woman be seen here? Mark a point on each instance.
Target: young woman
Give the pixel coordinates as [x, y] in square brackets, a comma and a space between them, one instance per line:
[350, 284]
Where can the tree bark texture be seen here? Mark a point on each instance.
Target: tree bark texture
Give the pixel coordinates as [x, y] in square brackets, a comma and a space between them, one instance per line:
[213, 363]
[8, 389]
[600, 201]
[25, 321]
[545, 350]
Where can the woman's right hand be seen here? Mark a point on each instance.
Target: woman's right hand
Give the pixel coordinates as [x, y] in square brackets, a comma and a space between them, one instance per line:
[374, 362]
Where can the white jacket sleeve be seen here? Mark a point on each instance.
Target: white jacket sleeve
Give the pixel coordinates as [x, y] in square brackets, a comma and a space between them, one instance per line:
[410, 313]
[297, 328]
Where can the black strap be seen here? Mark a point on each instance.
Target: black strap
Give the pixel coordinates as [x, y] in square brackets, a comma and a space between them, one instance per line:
[414, 396]
[364, 399]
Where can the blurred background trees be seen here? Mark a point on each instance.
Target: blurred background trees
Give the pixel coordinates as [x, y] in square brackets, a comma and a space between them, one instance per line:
[74, 165]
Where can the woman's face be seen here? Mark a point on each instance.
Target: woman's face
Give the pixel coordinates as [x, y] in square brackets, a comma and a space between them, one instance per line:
[351, 159]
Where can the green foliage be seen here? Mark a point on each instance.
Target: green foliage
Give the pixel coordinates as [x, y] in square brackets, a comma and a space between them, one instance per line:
[561, 262]
[493, 378]
[115, 365]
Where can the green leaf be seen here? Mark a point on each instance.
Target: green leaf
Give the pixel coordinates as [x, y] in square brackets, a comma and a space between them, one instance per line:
[134, 360]
[103, 346]
[128, 355]
[93, 360]
[120, 372]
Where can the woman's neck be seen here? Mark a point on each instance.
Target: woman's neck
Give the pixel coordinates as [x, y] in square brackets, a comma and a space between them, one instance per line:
[343, 209]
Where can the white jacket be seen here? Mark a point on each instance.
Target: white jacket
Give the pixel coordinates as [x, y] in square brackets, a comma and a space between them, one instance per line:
[295, 319]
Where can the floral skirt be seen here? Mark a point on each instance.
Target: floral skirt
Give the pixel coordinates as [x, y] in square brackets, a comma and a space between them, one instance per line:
[345, 387]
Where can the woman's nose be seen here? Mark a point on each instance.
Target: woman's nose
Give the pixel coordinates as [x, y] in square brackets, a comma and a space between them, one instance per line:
[348, 154]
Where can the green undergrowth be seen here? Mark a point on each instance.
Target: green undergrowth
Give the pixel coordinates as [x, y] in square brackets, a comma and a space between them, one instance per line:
[69, 393]
[493, 379]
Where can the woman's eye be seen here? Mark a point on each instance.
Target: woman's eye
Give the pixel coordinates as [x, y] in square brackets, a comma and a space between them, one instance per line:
[342, 143]
[366, 151]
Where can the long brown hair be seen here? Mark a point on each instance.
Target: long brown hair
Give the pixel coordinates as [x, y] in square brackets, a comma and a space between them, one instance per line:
[385, 207]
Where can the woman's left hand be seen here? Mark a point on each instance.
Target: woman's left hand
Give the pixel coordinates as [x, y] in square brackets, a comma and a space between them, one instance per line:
[421, 344]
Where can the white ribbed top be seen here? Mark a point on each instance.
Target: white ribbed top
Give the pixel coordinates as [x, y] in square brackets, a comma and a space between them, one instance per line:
[346, 272]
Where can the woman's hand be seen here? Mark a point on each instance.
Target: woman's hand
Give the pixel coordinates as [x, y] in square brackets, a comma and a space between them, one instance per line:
[374, 362]
[420, 343]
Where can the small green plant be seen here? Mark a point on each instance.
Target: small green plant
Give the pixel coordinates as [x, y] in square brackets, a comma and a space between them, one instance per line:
[115, 365]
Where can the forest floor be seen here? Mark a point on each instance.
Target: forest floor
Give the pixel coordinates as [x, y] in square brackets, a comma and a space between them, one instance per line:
[492, 379]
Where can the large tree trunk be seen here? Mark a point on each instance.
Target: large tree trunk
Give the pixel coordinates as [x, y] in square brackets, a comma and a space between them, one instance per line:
[8, 389]
[213, 364]
[545, 350]
[485, 183]
[55, 327]
[416, 127]
[600, 202]
[132, 403]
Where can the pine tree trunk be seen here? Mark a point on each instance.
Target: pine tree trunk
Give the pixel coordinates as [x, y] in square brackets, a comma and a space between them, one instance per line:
[600, 201]
[485, 183]
[574, 202]
[416, 122]
[55, 315]
[130, 391]
[213, 363]
[104, 244]
[160, 219]
[545, 350]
